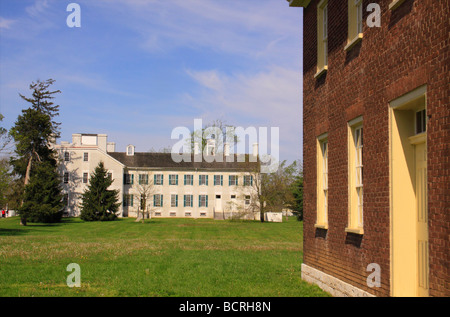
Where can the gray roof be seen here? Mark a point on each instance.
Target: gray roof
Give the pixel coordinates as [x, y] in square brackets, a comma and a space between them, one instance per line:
[165, 161]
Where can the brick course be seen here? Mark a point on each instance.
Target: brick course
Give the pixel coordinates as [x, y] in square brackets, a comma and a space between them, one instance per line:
[411, 48]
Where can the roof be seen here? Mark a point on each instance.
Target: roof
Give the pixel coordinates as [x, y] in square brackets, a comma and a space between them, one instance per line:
[165, 161]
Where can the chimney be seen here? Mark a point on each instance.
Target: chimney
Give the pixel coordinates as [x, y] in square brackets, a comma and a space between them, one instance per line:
[111, 147]
[76, 139]
[102, 141]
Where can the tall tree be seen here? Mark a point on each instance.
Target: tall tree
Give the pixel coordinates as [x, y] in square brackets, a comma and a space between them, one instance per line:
[4, 137]
[35, 130]
[99, 203]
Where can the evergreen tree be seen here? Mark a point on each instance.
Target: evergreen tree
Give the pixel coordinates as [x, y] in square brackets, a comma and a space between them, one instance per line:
[98, 202]
[42, 201]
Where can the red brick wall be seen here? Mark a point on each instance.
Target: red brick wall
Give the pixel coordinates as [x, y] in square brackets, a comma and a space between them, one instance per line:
[411, 48]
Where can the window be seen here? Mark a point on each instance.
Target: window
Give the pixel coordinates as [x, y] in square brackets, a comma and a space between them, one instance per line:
[203, 214]
[173, 179]
[232, 180]
[157, 200]
[158, 179]
[128, 200]
[86, 156]
[66, 200]
[248, 180]
[322, 182]
[203, 180]
[187, 214]
[66, 156]
[355, 23]
[85, 178]
[233, 196]
[356, 172]
[218, 180]
[322, 37]
[143, 179]
[188, 179]
[203, 200]
[173, 200]
[128, 179]
[109, 174]
[247, 200]
[173, 214]
[66, 177]
[421, 121]
[188, 201]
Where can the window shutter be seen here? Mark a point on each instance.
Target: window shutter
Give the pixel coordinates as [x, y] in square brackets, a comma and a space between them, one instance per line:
[206, 200]
[162, 200]
[185, 184]
[132, 179]
[206, 180]
[221, 180]
[154, 179]
[184, 204]
[251, 180]
[192, 200]
[176, 201]
[124, 179]
[200, 200]
[176, 181]
[131, 200]
[229, 180]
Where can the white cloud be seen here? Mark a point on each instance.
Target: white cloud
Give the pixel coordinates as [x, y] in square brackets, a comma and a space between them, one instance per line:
[5, 23]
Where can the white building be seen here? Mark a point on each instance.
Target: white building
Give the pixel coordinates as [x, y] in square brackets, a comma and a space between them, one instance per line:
[186, 189]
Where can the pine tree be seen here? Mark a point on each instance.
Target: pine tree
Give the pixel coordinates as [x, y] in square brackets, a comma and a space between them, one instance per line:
[42, 200]
[98, 202]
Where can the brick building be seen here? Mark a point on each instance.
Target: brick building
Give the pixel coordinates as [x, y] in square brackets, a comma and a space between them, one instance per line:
[376, 103]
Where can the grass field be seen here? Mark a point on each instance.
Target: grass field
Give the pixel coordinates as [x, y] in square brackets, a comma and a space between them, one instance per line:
[163, 257]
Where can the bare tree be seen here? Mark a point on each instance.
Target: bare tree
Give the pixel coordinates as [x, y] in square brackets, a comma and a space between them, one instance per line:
[146, 190]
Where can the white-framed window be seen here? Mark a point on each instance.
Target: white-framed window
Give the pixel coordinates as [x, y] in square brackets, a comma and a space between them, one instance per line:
[232, 180]
[203, 180]
[173, 214]
[86, 156]
[325, 34]
[355, 176]
[189, 179]
[359, 16]
[359, 173]
[322, 181]
[85, 177]
[203, 214]
[247, 200]
[143, 179]
[66, 156]
[322, 38]
[421, 121]
[157, 200]
[173, 179]
[66, 200]
[218, 180]
[248, 180]
[110, 175]
[187, 214]
[66, 177]
[128, 200]
[203, 200]
[173, 200]
[158, 179]
[188, 201]
[128, 179]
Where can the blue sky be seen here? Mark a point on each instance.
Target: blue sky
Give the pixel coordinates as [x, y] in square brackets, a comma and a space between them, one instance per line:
[136, 69]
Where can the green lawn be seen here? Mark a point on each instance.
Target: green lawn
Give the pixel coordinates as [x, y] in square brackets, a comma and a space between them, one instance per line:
[163, 257]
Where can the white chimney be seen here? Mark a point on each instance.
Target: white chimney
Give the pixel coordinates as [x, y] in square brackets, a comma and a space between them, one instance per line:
[111, 147]
[102, 141]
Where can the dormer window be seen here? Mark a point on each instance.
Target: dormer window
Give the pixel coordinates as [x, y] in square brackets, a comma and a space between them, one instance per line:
[130, 150]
